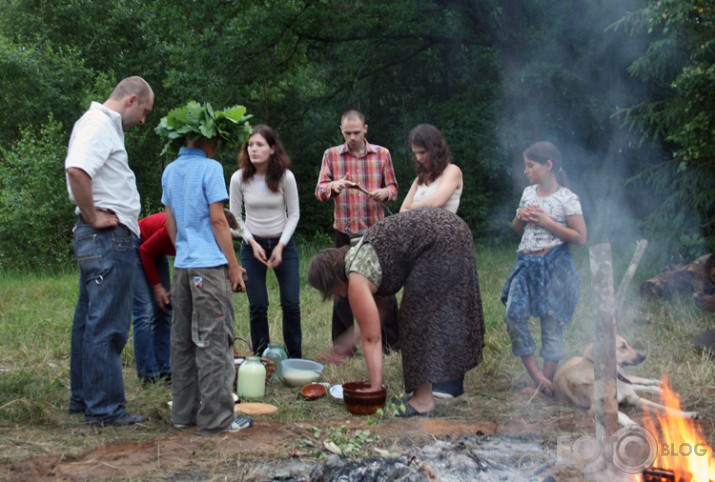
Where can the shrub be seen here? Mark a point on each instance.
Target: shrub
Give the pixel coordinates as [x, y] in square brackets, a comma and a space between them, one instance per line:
[35, 213]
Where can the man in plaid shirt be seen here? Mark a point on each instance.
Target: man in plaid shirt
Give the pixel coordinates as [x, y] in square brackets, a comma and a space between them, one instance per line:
[360, 178]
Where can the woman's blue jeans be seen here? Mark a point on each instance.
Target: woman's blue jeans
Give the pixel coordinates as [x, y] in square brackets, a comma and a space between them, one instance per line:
[107, 259]
[288, 275]
[151, 325]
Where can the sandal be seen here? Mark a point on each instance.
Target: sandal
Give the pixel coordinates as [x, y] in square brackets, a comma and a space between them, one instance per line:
[401, 400]
[410, 411]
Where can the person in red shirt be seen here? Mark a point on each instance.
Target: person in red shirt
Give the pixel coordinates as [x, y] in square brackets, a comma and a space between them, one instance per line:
[152, 301]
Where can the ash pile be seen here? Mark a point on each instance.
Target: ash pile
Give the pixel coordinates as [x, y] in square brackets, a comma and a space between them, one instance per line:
[472, 458]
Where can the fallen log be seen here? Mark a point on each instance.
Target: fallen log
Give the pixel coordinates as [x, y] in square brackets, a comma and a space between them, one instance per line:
[692, 278]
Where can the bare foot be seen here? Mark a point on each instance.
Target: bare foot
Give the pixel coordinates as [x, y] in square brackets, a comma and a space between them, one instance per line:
[534, 389]
[422, 406]
[530, 390]
[336, 356]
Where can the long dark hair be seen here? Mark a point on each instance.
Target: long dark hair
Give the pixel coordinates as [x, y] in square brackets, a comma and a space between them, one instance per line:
[439, 157]
[278, 163]
[544, 151]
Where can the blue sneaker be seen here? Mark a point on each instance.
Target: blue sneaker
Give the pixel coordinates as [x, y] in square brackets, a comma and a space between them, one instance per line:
[240, 423]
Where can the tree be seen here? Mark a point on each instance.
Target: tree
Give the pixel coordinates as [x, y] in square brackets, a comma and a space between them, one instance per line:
[35, 212]
[493, 76]
[679, 68]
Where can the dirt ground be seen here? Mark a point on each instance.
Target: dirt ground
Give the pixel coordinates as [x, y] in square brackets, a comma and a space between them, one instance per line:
[275, 449]
[188, 456]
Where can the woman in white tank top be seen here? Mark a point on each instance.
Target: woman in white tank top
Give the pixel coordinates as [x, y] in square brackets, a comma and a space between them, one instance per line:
[439, 182]
[438, 185]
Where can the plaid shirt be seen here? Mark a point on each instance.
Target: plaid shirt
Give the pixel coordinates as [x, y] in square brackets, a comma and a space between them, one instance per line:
[355, 211]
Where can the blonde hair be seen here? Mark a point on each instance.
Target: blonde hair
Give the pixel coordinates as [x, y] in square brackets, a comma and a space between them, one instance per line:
[133, 85]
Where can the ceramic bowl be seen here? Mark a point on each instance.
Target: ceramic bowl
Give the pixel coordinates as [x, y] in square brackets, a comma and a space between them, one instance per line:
[359, 402]
[299, 371]
[313, 391]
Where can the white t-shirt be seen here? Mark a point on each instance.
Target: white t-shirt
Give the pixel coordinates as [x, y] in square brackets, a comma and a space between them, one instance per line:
[559, 205]
[97, 147]
[425, 190]
[267, 213]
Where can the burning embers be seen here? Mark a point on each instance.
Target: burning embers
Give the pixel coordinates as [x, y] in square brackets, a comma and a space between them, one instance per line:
[681, 452]
[659, 475]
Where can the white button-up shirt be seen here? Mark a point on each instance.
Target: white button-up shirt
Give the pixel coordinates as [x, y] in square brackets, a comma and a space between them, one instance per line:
[97, 147]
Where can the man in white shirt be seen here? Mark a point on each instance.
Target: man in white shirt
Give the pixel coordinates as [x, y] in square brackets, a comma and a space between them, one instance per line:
[106, 241]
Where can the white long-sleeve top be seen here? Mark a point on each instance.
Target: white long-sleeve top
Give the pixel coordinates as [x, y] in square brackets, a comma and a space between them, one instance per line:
[267, 213]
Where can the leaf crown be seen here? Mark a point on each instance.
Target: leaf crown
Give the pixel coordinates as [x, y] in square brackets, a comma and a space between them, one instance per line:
[195, 120]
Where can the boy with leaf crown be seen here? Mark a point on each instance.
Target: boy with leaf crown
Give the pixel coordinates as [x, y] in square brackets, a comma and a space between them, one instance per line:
[206, 269]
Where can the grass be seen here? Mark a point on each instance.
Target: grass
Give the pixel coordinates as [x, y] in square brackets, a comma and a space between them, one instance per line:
[36, 318]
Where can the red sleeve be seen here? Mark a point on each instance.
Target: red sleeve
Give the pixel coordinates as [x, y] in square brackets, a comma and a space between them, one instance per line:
[155, 242]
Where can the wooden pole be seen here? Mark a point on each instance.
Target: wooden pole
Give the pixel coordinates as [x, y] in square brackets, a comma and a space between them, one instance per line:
[606, 409]
[628, 277]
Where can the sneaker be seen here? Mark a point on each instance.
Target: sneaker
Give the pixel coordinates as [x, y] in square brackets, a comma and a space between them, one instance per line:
[240, 423]
[122, 420]
[448, 389]
[182, 426]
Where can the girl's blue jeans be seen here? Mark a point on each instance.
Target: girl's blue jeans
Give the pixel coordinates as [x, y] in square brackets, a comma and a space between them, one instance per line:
[522, 342]
[288, 276]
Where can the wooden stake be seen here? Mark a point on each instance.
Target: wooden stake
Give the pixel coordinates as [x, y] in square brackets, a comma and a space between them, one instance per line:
[606, 409]
[628, 277]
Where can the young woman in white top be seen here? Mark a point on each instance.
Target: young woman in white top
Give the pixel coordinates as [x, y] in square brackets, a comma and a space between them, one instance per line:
[439, 182]
[544, 282]
[265, 189]
[439, 185]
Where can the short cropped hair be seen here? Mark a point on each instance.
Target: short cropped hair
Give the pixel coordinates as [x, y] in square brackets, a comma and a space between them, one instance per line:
[133, 85]
[352, 114]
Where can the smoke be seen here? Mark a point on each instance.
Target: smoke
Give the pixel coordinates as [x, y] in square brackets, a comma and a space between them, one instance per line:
[567, 87]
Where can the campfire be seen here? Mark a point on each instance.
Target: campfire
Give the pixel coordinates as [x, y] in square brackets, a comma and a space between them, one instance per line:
[682, 454]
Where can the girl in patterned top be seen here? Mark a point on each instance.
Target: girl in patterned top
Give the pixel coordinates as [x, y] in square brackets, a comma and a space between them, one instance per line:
[544, 281]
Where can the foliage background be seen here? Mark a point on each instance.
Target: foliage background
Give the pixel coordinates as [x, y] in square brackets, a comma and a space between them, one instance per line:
[623, 87]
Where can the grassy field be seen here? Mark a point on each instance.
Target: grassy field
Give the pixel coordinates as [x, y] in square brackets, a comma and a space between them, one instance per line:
[35, 323]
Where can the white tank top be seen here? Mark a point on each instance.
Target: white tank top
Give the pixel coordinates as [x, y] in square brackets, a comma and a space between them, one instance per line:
[425, 190]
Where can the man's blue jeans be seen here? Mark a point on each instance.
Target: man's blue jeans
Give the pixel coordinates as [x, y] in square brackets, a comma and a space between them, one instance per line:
[288, 275]
[107, 259]
[151, 325]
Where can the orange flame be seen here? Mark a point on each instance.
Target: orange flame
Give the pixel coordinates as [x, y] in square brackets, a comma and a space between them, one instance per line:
[681, 447]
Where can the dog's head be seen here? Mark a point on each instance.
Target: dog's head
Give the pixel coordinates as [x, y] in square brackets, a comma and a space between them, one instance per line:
[626, 355]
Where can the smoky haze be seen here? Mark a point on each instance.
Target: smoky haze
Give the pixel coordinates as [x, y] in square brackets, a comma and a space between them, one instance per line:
[566, 89]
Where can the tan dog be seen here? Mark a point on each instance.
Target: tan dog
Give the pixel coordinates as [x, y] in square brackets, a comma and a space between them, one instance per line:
[574, 381]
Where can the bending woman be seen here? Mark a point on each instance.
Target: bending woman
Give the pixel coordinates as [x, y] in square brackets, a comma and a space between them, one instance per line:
[430, 253]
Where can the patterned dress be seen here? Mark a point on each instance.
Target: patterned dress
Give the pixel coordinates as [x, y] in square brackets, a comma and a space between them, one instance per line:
[430, 253]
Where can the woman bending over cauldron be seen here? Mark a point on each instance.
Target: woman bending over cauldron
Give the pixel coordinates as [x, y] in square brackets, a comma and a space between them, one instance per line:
[430, 253]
